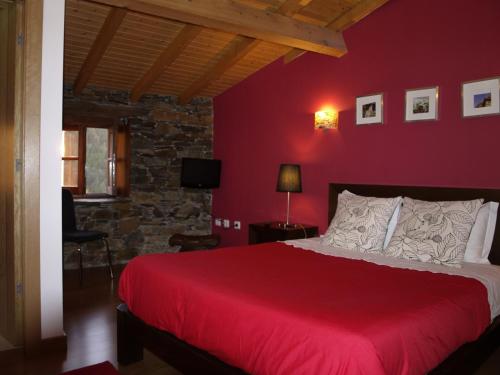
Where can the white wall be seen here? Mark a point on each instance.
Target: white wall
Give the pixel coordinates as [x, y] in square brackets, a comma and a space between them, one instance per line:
[50, 169]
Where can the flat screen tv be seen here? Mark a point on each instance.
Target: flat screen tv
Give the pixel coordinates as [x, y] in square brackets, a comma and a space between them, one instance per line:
[200, 173]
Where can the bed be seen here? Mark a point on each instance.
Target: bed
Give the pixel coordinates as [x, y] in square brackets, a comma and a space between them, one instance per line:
[265, 330]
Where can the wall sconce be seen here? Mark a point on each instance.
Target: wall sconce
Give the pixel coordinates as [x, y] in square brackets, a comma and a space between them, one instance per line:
[326, 119]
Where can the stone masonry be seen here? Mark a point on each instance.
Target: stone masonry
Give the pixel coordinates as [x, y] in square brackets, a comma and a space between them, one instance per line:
[162, 132]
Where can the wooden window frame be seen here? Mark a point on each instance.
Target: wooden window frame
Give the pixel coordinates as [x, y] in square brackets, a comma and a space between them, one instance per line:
[118, 159]
[82, 132]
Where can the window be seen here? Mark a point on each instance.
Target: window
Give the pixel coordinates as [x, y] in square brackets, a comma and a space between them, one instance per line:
[95, 160]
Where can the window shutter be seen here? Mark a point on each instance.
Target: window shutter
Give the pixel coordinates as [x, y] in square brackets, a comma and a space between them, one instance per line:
[111, 186]
[122, 160]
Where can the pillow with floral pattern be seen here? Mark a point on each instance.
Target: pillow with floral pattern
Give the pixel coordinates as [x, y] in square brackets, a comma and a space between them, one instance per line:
[434, 232]
[360, 223]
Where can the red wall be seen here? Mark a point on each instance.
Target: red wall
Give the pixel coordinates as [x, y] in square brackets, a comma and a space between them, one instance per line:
[268, 118]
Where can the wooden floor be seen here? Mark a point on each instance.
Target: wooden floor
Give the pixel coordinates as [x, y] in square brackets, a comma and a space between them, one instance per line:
[90, 325]
[4, 344]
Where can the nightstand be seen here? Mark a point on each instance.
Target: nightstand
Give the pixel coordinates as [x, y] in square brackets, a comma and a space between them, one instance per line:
[275, 231]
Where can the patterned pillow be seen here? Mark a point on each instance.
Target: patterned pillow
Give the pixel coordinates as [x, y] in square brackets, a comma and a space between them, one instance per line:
[360, 223]
[434, 232]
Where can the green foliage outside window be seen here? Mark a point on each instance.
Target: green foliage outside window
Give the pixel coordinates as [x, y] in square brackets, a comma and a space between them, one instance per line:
[96, 164]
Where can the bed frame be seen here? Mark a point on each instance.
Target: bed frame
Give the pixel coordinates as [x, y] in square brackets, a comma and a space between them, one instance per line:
[134, 335]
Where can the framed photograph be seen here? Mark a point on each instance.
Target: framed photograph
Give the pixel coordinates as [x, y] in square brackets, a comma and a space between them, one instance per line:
[422, 104]
[481, 98]
[369, 109]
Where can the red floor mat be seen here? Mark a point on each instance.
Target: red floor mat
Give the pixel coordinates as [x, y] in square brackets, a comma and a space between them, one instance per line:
[104, 368]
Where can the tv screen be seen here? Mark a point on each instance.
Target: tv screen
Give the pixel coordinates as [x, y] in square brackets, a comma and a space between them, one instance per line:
[200, 173]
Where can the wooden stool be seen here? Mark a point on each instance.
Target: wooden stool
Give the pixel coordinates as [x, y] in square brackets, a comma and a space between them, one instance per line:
[189, 243]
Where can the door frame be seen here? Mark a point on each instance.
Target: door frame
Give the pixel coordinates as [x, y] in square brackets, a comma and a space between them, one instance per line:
[28, 102]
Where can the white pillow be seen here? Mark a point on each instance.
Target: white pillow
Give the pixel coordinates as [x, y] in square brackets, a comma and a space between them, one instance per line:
[392, 225]
[481, 237]
[360, 223]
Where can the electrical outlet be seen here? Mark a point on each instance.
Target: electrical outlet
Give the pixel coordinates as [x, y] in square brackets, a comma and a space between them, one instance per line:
[237, 224]
[218, 222]
[227, 223]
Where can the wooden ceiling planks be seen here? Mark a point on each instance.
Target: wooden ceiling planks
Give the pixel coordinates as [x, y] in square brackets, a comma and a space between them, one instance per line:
[265, 54]
[233, 17]
[326, 11]
[132, 53]
[261, 4]
[237, 50]
[206, 50]
[83, 22]
[150, 54]
[171, 52]
[104, 37]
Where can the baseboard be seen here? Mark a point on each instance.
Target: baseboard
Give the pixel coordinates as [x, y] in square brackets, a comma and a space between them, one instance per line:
[58, 344]
[52, 346]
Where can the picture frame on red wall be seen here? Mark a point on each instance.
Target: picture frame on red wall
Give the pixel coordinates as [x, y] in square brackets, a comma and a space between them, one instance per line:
[370, 109]
[422, 104]
[481, 98]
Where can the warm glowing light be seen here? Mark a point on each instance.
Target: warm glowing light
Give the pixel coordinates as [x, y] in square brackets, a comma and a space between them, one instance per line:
[328, 119]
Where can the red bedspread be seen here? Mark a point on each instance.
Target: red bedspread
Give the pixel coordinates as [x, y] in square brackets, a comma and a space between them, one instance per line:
[274, 309]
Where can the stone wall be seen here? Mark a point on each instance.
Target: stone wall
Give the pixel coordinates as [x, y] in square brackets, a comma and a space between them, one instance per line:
[162, 132]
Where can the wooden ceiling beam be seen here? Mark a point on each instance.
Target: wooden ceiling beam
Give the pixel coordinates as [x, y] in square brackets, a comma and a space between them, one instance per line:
[289, 7]
[261, 4]
[169, 55]
[292, 55]
[236, 52]
[232, 17]
[101, 43]
[355, 14]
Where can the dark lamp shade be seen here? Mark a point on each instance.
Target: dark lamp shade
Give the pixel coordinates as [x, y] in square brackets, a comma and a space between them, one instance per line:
[289, 179]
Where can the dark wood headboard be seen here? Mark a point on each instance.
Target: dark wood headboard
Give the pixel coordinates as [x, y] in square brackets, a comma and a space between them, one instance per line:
[422, 193]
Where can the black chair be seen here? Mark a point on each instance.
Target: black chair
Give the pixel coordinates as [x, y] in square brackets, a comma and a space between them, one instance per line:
[73, 235]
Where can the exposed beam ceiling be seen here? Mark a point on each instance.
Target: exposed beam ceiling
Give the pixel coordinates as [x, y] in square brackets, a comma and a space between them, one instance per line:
[244, 47]
[261, 4]
[229, 16]
[138, 46]
[108, 30]
[356, 14]
[290, 7]
[173, 50]
[347, 19]
[234, 54]
[292, 55]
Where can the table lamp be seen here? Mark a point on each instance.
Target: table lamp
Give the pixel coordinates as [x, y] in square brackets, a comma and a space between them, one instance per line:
[289, 181]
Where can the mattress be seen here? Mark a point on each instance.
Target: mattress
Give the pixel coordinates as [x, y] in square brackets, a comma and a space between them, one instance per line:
[487, 274]
[278, 308]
